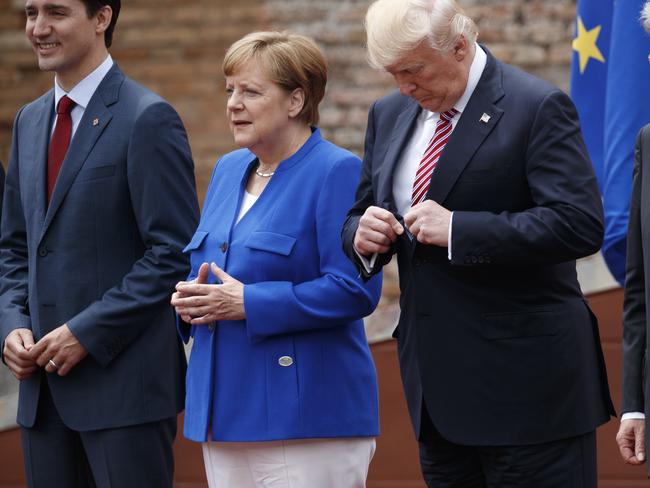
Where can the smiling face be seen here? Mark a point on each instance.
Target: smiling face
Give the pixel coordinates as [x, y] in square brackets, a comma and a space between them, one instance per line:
[434, 79]
[262, 115]
[65, 40]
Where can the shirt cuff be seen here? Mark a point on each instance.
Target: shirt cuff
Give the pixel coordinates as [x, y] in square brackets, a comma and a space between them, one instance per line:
[451, 219]
[633, 416]
[368, 264]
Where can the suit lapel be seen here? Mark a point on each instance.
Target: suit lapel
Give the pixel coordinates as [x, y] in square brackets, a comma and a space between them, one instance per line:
[41, 127]
[403, 128]
[477, 121]
[95, 119]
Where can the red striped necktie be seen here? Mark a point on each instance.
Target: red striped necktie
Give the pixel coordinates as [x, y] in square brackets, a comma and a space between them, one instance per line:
[431, 156]
[59, 142]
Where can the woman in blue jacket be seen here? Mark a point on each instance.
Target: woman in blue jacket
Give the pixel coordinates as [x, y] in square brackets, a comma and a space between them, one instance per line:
[281, 387]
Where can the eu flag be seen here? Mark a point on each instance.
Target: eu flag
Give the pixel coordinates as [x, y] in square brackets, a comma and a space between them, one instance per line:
[610, 75]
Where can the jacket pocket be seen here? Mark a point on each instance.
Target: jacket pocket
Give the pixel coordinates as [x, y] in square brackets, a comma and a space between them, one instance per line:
[96, 172]
[271, 242]
[196, 241]
[495, 326]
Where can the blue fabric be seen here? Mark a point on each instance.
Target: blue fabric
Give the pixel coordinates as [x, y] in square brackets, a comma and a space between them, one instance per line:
[303, 299]
[611, 97]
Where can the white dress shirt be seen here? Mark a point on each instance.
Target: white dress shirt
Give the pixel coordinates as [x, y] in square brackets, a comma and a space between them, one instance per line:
[425, 127]
[82, 92]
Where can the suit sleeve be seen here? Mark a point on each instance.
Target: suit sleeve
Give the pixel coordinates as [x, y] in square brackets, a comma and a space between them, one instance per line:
[14, 311]
[565, 221]
[163, 199]
[335, 297]
[364, 198]
[634, 307]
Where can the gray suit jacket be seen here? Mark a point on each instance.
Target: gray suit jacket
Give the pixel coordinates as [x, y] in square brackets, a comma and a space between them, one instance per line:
[104, 255]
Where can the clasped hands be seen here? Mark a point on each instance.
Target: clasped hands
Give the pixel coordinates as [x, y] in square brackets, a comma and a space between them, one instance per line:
[58, 351]
[378, 228]
[198, 302]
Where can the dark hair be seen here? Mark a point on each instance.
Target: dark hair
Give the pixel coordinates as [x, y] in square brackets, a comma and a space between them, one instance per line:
[92, 6]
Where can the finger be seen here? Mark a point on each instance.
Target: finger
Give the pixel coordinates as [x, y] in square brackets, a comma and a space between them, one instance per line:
[639, 441]
[202, 276]
[190, 292]
[220, 273]
[186, 318]
[37, 349]
[27, 337]
[383, 221]
[195, 312]
[206, 319]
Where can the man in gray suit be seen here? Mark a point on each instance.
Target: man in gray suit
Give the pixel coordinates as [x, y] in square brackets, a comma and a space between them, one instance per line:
[100, 200]
[633, 429]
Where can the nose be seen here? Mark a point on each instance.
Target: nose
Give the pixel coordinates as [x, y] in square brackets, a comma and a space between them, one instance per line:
[405, 85]
[39, 26]
[234, 102]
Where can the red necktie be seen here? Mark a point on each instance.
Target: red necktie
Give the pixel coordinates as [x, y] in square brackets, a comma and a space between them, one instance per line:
[59, 142]
[431, 156]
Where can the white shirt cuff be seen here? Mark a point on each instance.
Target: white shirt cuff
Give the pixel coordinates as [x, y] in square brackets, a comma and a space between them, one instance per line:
[368, 264]
[633, 416]
[451, 219]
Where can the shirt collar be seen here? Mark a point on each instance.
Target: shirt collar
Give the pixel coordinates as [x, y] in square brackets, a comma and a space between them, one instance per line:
[84, 90]
[475, 72]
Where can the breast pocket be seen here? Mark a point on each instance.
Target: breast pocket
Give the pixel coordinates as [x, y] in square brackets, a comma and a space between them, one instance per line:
[271, 242]
[97, 172]
[196, 241]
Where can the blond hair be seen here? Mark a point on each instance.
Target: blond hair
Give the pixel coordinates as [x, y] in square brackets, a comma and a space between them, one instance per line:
[394, 27]
[292, 61]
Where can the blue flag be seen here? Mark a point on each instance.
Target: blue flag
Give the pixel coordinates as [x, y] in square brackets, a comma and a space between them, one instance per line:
[610, 76]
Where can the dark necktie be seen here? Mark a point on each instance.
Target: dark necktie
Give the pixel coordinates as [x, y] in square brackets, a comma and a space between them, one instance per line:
[431, 156]
[59, 142]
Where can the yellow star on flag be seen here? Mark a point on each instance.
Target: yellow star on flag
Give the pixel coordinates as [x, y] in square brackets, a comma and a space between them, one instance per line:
[585, 45]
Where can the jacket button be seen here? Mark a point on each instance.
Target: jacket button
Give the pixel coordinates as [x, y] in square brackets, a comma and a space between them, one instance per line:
[42, 251]
[211, 327]
[224, 247]
[285, 361]
[481, 260]
[467, 260]
[474, 260]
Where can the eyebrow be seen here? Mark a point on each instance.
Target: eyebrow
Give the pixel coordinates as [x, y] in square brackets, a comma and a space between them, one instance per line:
[47, 6]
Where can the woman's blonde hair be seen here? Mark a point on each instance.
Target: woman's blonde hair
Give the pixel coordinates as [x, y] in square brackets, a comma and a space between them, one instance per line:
[394, 27]
[292, 61]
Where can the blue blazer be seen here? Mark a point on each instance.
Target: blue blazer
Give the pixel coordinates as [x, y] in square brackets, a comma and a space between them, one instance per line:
[299, 365]
[104, 255]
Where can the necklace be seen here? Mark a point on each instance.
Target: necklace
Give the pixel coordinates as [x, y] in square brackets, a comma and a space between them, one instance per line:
[263, 175]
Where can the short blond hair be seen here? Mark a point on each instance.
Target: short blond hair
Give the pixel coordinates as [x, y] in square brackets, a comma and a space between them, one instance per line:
[645, 17]
[292, 60]
[394, 27]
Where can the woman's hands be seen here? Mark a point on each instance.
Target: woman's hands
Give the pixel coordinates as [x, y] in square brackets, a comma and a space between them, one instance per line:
[197, 302]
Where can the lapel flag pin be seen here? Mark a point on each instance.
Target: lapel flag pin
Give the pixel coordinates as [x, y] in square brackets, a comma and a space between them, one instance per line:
[96, 121]
[485, 118]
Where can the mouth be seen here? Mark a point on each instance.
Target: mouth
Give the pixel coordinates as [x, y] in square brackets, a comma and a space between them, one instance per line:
[240, 123]
[44, 47]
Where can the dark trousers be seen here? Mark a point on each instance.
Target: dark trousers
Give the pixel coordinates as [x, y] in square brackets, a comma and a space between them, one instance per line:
[134, 456]
[566, 463]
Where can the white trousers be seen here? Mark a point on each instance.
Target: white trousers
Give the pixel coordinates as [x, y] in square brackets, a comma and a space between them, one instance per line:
[300, 463]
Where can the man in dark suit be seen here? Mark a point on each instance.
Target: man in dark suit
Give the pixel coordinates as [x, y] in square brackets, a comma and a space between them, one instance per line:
[100, 200]
[477, 177]
[633, 431]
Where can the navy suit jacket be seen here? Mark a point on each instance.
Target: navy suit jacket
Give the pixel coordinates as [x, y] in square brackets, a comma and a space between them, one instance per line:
[104, 255]
[498, 342]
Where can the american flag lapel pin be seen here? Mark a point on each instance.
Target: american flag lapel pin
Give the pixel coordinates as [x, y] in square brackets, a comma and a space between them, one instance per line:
[485, 118]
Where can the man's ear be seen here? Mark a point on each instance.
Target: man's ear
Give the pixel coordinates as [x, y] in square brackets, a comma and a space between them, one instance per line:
[296, 102]
[461, 49]
[103, 17]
